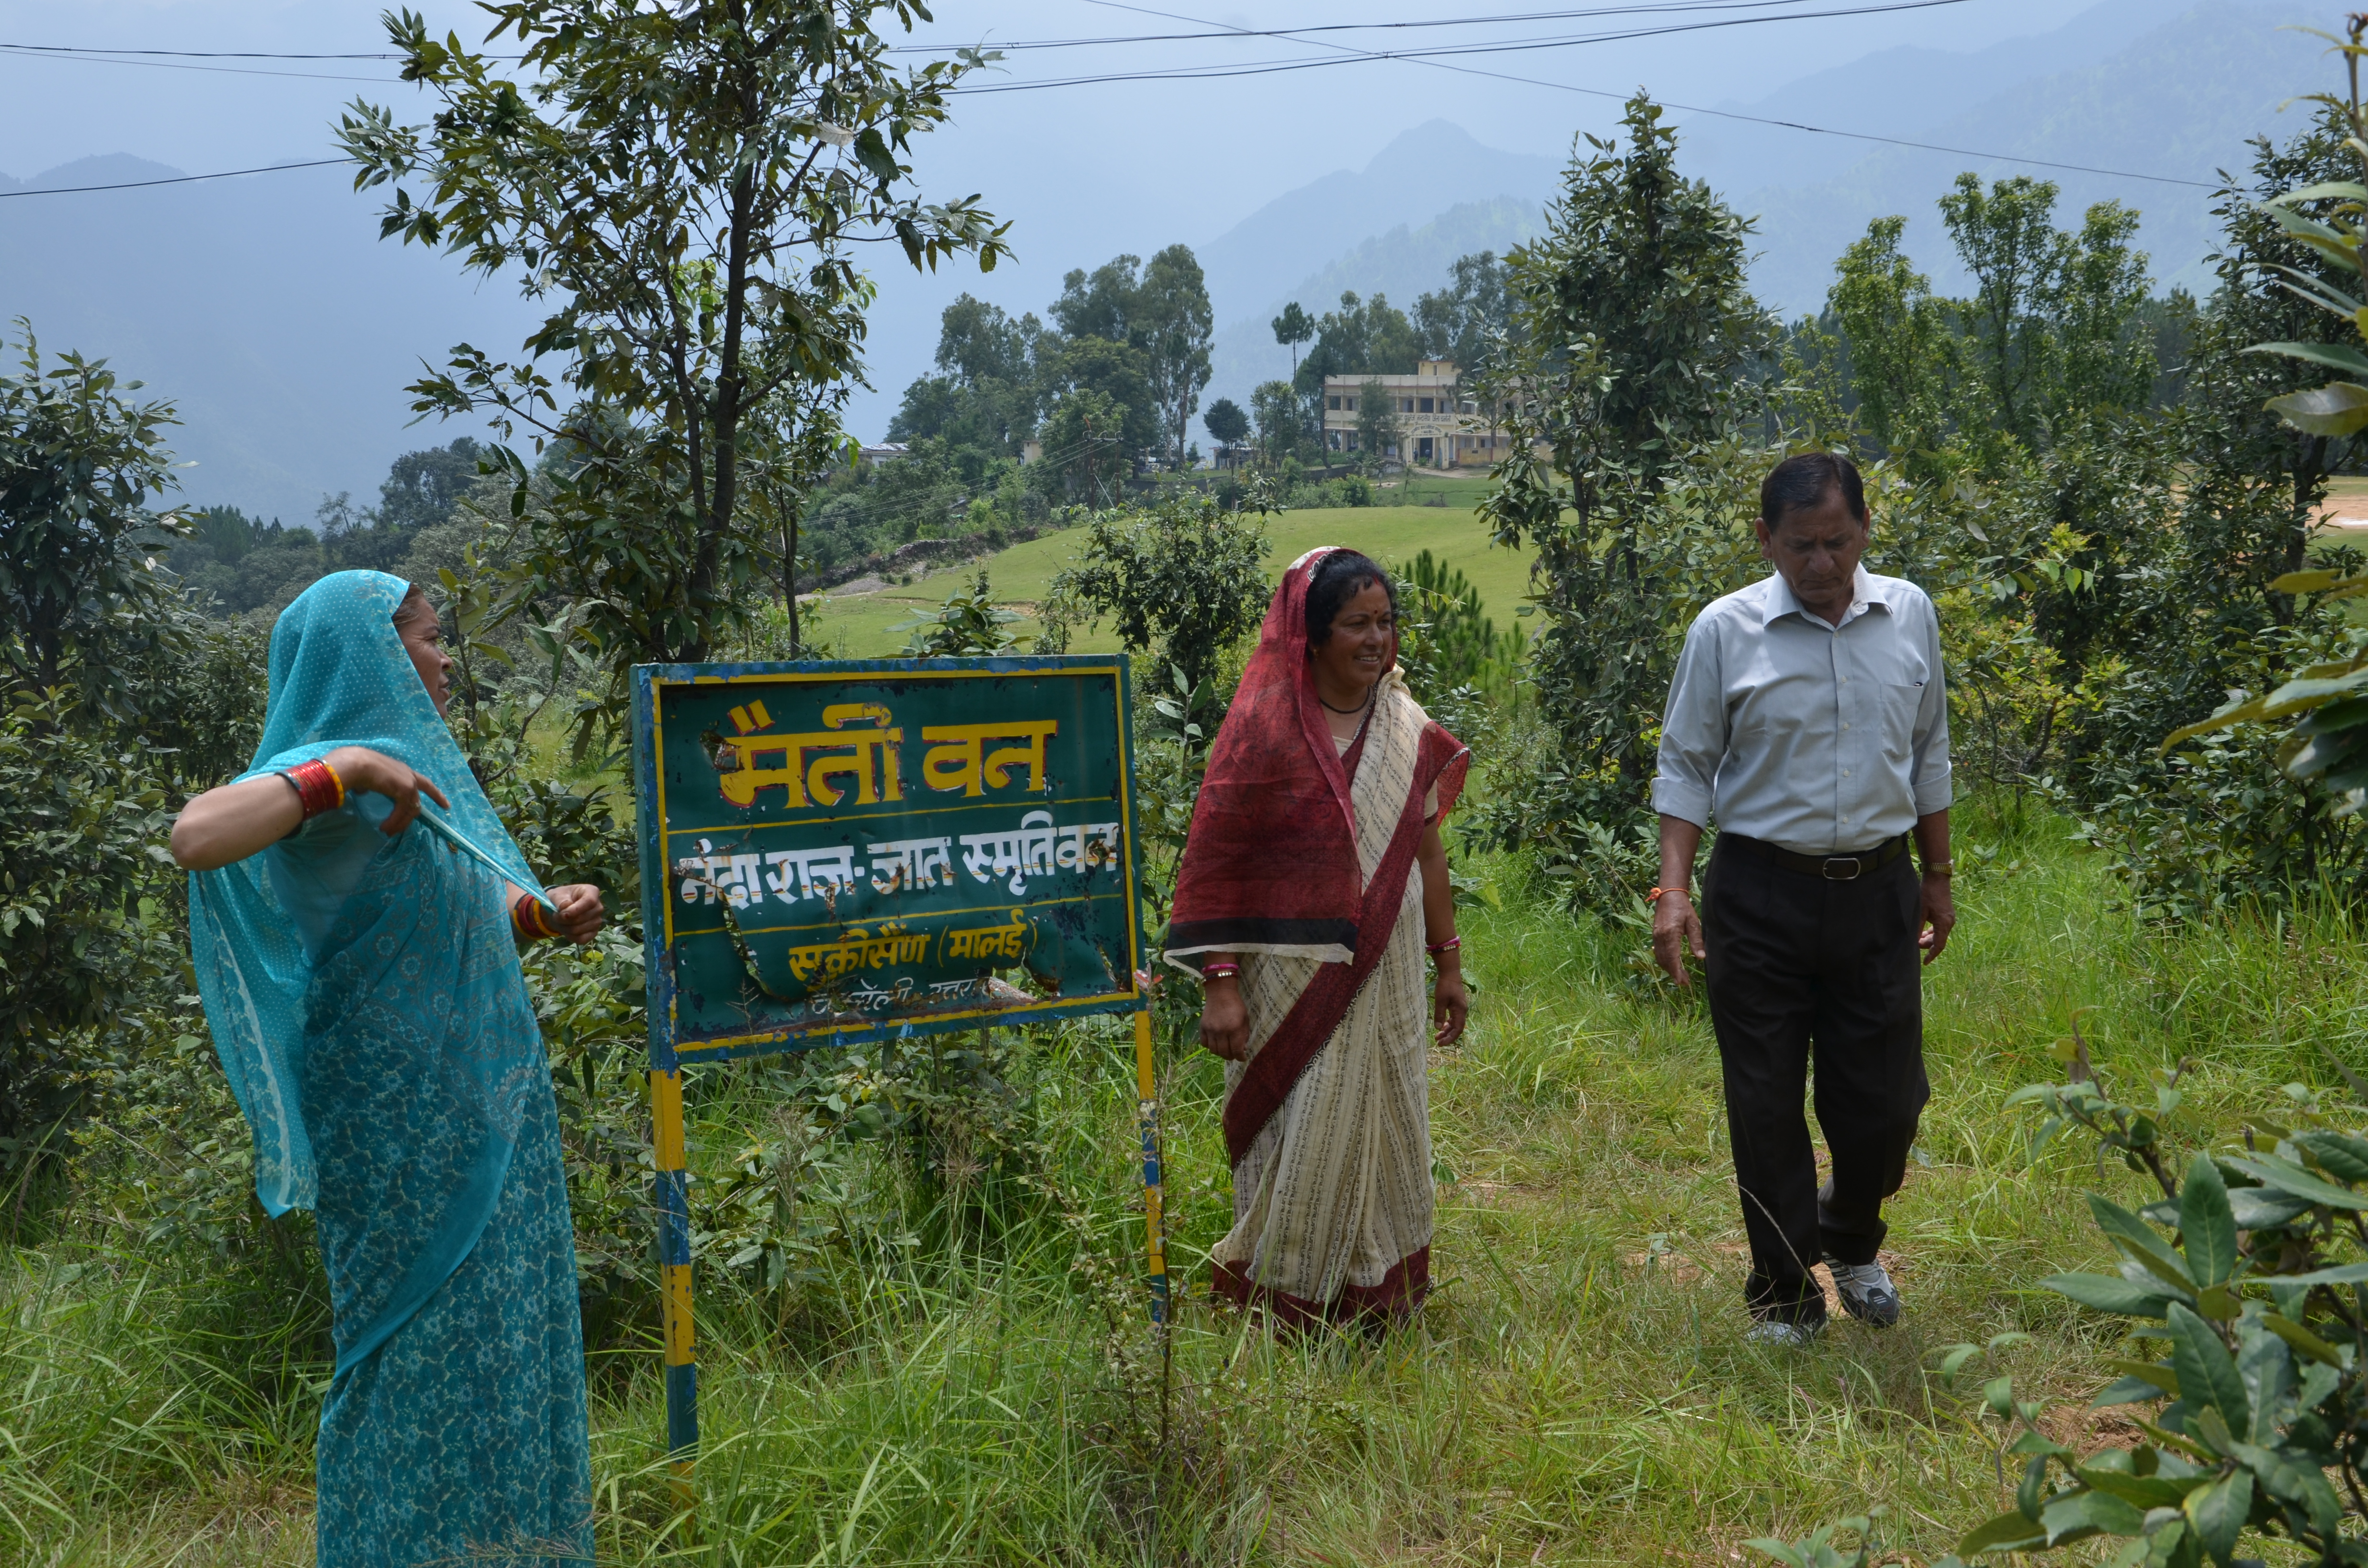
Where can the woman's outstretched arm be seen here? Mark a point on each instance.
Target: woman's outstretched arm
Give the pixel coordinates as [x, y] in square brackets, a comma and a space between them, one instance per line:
[229, 823]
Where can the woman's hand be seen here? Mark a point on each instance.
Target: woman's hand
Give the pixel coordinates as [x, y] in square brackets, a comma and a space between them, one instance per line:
[228, 824]
[1224, 1021]
[581, 913]
[1450, 1002]
[362, 769]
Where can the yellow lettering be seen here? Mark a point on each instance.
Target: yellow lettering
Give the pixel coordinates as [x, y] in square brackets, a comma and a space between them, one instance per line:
[957, 758]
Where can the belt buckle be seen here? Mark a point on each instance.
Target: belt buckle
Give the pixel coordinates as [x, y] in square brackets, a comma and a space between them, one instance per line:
[1853, 861]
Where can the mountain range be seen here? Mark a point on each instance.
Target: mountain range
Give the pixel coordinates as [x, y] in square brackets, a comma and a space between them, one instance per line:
[268, 310]
[2117, 88]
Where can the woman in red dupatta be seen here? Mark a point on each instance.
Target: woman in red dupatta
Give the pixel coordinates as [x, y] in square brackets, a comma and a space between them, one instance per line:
[1300, 906]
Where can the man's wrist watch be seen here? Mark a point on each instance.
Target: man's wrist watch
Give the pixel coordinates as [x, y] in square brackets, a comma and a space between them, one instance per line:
[1939, 867]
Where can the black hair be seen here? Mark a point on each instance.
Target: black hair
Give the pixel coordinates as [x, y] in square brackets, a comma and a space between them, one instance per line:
[1339, 577]
[414, 602]
[1802, 485]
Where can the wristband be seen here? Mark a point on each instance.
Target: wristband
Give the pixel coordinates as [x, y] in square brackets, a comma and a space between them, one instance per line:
[1656, 895]
[1219, 971]
[530, 922]
[318, 787]
[1448, 946]
[1939, 867]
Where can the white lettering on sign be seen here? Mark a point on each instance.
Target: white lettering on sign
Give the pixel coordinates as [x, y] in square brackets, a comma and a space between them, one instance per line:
[811, 873]
[710, 878]
[912, 863]
[1038, 849]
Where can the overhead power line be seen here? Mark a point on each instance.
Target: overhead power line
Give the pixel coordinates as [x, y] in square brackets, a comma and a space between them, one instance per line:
[1438, 57]
[1349, 55]
[1210, 31]
[1692, 109]
[97, 57]
[175, 179]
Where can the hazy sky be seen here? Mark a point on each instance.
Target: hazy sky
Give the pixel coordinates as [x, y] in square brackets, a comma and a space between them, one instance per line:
[1084, 172]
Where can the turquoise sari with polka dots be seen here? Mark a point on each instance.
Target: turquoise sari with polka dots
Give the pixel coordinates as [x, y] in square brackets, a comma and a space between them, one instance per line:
[365, 997]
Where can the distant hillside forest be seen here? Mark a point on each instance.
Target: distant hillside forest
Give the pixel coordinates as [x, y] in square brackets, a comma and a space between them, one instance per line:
[252, 567]
[1082, 386]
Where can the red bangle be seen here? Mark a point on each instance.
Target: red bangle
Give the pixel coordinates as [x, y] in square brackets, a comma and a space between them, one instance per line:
[1219, 971]
[1448, 946]
[318, 787]
[530, 921]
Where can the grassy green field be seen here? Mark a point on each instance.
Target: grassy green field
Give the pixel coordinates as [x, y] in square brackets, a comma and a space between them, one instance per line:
[1578, 1391]
[858, 626]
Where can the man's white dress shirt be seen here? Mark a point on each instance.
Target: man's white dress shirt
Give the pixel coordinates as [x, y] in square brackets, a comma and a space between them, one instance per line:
[1823, 739]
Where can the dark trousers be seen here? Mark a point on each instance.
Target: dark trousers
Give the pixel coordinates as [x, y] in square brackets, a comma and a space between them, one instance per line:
[1803, 969]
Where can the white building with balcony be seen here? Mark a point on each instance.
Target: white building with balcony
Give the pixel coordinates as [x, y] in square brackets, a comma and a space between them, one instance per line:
[1437, 425]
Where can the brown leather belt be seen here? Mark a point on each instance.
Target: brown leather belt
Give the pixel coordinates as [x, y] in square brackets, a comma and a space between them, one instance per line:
[1833, 868]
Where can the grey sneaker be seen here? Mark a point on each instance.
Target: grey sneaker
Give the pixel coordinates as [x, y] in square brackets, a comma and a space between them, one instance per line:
[1866, 1292]
[1783, 1335]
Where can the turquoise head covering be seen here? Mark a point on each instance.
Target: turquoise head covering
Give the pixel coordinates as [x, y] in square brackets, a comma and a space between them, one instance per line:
[339, 677]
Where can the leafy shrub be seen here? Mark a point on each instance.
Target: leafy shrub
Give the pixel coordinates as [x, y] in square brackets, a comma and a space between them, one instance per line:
[2246, 1287]
[1182, 579]
[969, 625]
[79, 946]
[2008, 705]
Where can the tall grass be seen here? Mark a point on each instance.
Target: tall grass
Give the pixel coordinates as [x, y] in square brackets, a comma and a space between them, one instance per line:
[1578, 1391]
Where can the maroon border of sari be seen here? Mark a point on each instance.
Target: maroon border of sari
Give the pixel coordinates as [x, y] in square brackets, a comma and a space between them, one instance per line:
[1402, 1289]
[1309, 1025]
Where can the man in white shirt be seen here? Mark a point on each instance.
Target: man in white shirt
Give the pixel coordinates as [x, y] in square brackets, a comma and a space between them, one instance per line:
[1808, 720]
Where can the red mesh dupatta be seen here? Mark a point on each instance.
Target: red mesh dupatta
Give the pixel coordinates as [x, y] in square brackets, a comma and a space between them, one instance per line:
[1271, 863]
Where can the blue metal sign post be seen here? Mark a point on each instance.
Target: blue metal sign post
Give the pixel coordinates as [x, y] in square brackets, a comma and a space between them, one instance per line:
[846, 851]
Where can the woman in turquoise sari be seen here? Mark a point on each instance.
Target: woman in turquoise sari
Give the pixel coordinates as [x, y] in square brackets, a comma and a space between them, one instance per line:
[355, 914]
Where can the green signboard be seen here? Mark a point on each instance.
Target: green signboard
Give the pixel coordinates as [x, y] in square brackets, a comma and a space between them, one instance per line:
[850, 850]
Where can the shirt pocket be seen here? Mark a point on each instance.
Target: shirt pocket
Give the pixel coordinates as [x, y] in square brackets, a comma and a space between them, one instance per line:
[1900, 701]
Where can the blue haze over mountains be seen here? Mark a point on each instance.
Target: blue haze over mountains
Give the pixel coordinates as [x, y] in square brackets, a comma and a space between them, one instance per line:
[268, 310]
[2117, 86]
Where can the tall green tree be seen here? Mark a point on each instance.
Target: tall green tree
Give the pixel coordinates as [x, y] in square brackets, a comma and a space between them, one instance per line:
[1101, 303]
[1281, 418]
[2047, 333]
[996, 375]
[1173, 326]
[1364, 338]
[1228, 425]
[1114, 368]
[1639, 342]
[1901, 345]
[685, 187]
[1086, 446]
[2255, 483]
[1466, 320]
[980, 341]
[1292, 328]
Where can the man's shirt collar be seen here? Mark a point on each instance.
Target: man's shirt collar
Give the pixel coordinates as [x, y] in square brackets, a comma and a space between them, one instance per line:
[1779, 601]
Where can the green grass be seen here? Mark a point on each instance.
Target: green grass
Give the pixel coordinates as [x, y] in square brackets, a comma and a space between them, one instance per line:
[857, 627]
[1578, 1391]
